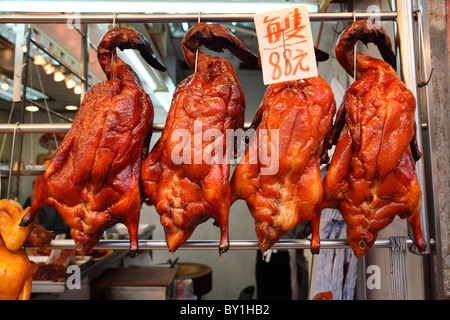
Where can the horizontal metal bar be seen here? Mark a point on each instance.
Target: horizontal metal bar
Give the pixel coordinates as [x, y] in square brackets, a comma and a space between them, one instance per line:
[192, 17]
[6, 172]
[35, 128]
[214, 245]
[58, 128]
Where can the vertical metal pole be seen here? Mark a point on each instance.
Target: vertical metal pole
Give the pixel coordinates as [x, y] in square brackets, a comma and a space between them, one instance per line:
[405, 25]
[85, 57]
[434, 284]
[22, 110]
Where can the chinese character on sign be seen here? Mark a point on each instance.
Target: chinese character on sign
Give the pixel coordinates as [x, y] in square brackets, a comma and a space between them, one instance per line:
[291, 26]
[286, 44]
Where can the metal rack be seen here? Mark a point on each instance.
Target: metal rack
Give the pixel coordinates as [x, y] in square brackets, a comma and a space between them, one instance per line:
[206, 17]
[214, 245]
[404, 17]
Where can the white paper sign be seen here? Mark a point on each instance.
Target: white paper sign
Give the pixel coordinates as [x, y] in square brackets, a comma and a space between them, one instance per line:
[286, 45]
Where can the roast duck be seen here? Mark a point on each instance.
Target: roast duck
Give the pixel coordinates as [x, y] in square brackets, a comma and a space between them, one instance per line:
[186, 175]
[93, 178]
[281, 182]
[16, 273]
[371, 177]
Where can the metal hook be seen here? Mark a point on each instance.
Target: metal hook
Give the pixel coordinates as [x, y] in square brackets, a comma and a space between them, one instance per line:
[196, 52]
[362, 244]
[284, 53]
[77, 246]
[114, 19]
[424, 83]
[422, 50]
[354, 51]
[113, 56]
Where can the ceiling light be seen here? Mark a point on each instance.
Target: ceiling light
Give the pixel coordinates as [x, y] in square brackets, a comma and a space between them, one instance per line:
[5, 85]
[32, 108]
[32, 93]
[58, 75]
[78, 89]
[70, 83]
[39, 60]
[71, 108]
[49, 68]
[24, 48]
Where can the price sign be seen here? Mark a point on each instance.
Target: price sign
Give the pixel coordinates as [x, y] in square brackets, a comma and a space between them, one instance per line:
[286, 45]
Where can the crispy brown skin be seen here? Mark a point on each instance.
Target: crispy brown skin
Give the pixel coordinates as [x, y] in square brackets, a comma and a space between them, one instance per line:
[323, 296]
[187, 194]
[371, 178]
[303, 113]
[93, 178]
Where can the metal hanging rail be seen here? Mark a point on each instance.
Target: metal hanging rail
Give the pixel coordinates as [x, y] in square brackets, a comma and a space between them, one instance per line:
[193, 17]
[214, 245]
[59, 128]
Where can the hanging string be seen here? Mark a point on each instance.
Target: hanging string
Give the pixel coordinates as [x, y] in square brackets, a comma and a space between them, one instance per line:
[12, 158]
[114, 20]
[284, 53]
[9, 119]
[31, 117]
[4, 135]
[196, 52]
[113, 56]
[46, 106]
[31, 142]
[4, 141]
[397, 257]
